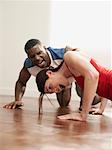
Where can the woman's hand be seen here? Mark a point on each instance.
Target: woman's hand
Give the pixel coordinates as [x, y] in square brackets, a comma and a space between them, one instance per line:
[72, 116]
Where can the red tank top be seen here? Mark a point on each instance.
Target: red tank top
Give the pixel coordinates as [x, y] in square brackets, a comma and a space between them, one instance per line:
[104, 88]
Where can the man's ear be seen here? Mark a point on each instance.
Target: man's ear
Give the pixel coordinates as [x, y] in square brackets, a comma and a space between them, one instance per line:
[49, 73]
[44, 47]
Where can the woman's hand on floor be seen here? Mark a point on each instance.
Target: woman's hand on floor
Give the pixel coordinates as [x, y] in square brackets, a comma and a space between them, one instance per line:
[72, 116]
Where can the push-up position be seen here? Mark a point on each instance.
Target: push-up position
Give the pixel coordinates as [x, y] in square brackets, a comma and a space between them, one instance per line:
[90, 76]
[38, 58]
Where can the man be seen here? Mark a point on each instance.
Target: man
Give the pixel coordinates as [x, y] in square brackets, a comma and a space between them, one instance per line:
[40, 57]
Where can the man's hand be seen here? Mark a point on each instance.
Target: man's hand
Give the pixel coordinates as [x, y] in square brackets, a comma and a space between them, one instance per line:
[13, 105]
[97, 111]
[68, 48]
[100, 110]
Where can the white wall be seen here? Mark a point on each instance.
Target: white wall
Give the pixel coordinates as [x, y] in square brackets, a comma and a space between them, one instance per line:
[82, 24]
[1, 42]
[20, 20]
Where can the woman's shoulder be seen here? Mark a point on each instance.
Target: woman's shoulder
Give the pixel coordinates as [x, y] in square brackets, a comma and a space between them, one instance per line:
[78, 53]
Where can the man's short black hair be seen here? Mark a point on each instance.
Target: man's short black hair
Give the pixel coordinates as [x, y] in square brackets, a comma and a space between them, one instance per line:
[30, 43]
[41, 79]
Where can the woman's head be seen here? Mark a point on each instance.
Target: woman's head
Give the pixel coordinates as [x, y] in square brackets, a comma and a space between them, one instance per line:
[51, 81]
[41, 79]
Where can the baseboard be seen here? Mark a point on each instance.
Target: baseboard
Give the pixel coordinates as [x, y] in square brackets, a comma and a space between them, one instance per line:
[32, 93]
[5, 91]
[28, 93]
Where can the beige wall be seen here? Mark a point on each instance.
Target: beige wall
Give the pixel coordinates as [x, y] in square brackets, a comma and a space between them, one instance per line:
[75, 23]
[20, 21]
[83, 24]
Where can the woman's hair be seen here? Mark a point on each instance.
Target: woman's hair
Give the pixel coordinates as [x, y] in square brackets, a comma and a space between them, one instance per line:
[42, 77]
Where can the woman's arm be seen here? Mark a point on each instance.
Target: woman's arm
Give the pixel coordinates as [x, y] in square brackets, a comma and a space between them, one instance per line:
[78, 64]
[101, 108]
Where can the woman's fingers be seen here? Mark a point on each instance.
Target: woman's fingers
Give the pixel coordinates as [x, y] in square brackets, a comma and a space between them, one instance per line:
[72, 116]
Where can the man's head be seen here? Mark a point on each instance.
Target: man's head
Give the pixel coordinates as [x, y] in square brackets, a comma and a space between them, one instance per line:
[37, 53]
[51, 81]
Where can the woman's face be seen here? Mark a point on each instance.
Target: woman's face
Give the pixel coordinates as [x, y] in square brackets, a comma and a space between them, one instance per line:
[55, 83]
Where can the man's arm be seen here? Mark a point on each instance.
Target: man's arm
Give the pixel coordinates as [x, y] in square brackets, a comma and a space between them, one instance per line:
[64, 96]
[19, 89]
[68, 48]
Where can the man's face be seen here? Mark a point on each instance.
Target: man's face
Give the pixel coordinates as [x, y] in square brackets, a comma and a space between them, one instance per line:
[39, 56]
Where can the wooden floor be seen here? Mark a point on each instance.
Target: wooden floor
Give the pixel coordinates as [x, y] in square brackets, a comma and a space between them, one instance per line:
[23, 129]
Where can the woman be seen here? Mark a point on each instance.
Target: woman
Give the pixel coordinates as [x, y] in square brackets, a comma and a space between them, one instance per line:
[89, 75]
